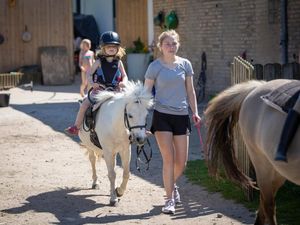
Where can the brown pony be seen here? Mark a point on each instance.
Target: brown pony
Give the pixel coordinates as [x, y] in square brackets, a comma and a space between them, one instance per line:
[260, 127]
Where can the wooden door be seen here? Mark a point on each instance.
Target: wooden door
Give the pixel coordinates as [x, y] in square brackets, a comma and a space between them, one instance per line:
[131, 21]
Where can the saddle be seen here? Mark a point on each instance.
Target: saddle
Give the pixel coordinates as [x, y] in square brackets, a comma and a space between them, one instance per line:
[90, 121]
[284, 98]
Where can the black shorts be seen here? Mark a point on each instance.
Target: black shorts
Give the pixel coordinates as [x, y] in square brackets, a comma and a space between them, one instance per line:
[177, 124]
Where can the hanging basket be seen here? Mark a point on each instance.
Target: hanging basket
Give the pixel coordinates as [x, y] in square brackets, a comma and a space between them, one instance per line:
[171, 20]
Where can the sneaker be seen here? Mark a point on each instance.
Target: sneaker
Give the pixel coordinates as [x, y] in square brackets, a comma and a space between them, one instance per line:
[176, 195]
[169, 207]
[72, 131]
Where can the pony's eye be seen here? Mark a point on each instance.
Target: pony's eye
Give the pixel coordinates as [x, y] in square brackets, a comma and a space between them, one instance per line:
[130, 116]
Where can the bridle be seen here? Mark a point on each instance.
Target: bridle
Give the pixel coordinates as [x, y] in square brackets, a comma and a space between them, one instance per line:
[127, 124]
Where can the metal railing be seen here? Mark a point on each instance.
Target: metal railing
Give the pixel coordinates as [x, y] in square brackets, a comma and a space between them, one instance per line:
[241, 71]
[10, 80]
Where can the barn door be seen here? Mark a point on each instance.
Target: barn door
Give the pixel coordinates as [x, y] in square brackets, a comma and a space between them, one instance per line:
[131, 21]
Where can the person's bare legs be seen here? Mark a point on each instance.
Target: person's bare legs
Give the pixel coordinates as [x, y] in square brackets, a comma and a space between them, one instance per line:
[165, 144]
[83, 85]
[181, 144]
[80, 115]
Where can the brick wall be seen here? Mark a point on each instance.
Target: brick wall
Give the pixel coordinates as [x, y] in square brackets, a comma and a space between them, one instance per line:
[224, 29]
[294, 30]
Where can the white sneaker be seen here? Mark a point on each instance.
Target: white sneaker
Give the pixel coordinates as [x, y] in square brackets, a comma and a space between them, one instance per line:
[169, 207]
[176, 195]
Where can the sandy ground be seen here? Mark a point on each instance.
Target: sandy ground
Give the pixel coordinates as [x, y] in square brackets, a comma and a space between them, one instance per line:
[45, 177]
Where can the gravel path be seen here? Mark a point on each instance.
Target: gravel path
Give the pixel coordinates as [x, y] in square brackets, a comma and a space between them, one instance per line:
[45, 177]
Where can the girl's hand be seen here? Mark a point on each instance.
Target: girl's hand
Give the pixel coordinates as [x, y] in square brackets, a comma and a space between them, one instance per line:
[122, 84]
[98, 86]
[196, 119]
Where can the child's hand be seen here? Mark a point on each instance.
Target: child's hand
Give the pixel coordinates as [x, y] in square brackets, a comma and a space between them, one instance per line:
[83, 69]
[122, 85]
[95, 86]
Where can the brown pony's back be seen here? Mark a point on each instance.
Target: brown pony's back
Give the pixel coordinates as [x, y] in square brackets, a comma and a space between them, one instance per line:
[260, 127]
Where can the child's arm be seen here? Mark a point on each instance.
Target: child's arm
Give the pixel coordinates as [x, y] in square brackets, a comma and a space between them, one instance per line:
[92, 59]
[80, 61]
[124, 75]
[92, 71]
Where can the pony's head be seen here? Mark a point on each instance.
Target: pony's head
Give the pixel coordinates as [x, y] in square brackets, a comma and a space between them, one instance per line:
[138, 101]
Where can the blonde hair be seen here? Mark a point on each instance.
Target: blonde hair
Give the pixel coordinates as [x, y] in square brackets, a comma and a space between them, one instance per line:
[87, 42]
[164, 35]
[121, 52]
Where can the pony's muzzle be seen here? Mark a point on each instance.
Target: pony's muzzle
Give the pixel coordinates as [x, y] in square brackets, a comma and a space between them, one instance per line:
[138, 139]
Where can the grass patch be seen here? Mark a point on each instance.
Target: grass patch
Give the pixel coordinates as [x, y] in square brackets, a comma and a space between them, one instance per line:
[287, 199]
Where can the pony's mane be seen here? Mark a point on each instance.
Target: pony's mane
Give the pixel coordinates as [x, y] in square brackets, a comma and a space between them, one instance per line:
[134, 91]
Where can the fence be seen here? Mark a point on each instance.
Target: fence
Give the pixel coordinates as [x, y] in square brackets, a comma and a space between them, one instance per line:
[242, 70]
[10, 80]
[272, 71]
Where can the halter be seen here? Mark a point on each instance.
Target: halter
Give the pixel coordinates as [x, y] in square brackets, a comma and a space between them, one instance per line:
[127, 124]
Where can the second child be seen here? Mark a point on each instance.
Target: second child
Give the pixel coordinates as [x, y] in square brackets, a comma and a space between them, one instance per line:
[86, 60]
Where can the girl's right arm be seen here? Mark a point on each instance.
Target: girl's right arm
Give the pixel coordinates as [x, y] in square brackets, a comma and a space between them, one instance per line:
[92, 71]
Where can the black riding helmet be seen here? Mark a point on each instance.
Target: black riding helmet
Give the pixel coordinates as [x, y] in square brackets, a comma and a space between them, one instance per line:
[110, 37]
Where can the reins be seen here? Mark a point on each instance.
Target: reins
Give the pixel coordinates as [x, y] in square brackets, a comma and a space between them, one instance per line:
[139, 149]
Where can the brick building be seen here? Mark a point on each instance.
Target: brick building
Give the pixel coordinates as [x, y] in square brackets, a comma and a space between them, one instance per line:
[227, 28]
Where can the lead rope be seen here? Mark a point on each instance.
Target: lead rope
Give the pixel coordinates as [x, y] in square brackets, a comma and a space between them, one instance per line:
[201, 141]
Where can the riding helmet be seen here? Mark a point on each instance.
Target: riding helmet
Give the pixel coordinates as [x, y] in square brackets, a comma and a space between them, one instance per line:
[110, 37]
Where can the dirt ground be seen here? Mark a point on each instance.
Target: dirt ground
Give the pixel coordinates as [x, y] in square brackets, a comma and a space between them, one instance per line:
[45, 177]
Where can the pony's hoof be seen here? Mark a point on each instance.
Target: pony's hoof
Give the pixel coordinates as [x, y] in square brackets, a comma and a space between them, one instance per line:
[96, 186]
[114, 202]
[119, 194]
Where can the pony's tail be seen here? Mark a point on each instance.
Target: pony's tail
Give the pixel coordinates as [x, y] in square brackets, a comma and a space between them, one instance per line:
[221, 116]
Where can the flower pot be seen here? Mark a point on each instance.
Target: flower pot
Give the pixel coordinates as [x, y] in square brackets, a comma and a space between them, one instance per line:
[137, 64]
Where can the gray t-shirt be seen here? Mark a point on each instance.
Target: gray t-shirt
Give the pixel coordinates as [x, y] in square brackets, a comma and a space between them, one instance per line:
[170, 89]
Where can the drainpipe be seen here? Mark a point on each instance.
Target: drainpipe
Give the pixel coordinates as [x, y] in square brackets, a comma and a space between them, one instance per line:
[78, 7]
[284, 32]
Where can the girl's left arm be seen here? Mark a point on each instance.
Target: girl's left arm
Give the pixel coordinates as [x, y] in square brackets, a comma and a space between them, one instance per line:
[192, 99]
[124, 75]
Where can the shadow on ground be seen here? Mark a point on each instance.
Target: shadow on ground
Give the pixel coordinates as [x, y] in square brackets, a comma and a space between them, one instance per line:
[67, 206]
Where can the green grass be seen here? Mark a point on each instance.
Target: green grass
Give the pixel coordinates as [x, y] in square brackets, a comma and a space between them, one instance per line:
[287, 199]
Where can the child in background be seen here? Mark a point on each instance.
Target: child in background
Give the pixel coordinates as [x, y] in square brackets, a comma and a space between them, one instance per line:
[86, 60]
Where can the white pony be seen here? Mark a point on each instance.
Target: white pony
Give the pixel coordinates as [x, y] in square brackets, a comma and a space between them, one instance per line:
[120, 121]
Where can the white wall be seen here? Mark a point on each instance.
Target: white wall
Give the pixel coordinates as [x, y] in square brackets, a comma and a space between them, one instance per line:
[102, 10]
[150, 22]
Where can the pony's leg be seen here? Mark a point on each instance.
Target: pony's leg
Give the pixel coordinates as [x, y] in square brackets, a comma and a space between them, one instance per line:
[93, 159]
[269, 181]
[125, 158]
[269, 185]
[110, 164]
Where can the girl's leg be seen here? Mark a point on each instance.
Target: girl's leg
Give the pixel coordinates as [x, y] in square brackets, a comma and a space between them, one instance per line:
[73, 130]
[165, 144]
[83, 84]
[181, 144]
[80, 115]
